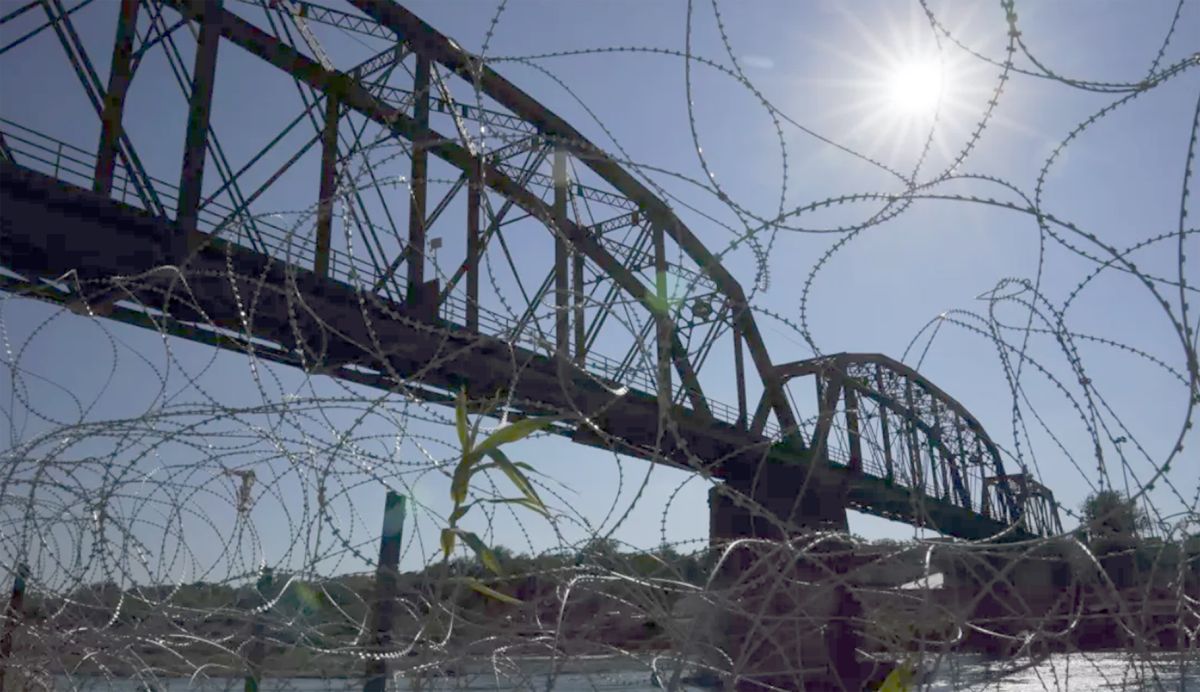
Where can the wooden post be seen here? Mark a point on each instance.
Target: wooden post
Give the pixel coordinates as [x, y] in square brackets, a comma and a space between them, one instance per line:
[386, 576]
[258, 645]
[13, 614]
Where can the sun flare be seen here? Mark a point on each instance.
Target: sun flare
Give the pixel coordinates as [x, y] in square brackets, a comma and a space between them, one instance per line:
[915, 87]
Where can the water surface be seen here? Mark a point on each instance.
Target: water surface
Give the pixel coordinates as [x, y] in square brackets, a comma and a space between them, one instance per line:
[1082, 672]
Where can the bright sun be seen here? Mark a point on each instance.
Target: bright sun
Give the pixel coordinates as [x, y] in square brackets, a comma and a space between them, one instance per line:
[915, 87]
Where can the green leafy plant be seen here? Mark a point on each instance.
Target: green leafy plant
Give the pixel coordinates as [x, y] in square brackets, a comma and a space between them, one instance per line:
[487, 456]
[901, 679]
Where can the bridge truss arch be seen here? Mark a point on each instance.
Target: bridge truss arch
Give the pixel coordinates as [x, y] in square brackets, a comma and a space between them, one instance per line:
[590, 290]
[878, 417]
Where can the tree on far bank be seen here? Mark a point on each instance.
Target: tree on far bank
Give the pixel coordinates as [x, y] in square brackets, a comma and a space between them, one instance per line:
[1110, 514]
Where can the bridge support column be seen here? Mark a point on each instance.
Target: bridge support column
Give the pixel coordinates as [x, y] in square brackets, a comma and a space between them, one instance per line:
[787, 619]
[1010, 592]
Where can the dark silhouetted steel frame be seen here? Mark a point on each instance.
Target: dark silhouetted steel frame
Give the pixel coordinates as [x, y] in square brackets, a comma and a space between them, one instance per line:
[108, 239]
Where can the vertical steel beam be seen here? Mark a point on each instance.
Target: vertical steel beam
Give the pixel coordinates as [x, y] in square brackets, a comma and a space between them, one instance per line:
[119, 78]
[13, 614]
[578, 296]
[661, 317]
[852, 428]
[258, 644]
[959, 467]
[386, 582]
[933, 466]
[562, 317]
[959, 472]
[936, 453]
[883, 424]
[947, 486]
[914, 444]
[200, 106]
[420, 175]
[739, 367]
[983, 498]
[829, 392]
[329, 157]
[474, 242]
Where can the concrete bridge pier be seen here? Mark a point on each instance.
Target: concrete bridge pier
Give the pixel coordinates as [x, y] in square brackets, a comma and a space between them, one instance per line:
[1009, 592]
[786, 622]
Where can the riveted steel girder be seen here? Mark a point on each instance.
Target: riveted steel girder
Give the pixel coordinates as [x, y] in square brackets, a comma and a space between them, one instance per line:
[425, 40]
[963, 461]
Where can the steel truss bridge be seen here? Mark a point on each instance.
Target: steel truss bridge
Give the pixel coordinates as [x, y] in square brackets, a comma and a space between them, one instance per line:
[558, 271]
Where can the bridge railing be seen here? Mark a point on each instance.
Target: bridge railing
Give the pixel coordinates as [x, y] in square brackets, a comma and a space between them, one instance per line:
[68, 163]
[454, 309]
[76, 166]
[873, 465]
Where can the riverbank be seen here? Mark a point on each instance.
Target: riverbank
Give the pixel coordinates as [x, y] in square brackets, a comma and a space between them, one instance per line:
[514, 660]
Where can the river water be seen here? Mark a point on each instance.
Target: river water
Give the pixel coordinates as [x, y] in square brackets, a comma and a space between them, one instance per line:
[1082, 672]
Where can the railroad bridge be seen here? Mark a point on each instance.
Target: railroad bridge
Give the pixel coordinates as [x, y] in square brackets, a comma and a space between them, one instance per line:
[611, 311]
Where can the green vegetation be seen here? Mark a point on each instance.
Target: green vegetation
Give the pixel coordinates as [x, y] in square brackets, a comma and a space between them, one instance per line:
[312, 626]
[1118, 532]
[470, 464]
[1114, 547]
[1109, 514]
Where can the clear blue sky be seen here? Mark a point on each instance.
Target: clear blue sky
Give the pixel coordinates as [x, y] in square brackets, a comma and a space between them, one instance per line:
[829, 69]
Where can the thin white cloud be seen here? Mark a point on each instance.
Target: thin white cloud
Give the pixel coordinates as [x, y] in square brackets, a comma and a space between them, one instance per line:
[761, 62]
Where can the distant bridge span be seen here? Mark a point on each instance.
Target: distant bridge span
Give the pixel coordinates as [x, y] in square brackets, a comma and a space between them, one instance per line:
[180, 257]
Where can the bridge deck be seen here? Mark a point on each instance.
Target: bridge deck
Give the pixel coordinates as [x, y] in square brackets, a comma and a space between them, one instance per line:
[50, 228]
